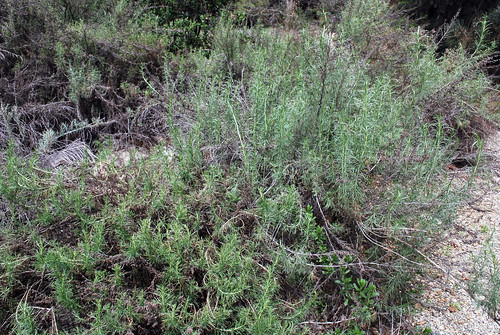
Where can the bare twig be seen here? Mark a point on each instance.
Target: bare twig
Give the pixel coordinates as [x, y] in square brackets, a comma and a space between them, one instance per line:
[307, 254]
[328, 228]
[324, 323]
[361, 228]
[336, 266]
[437, 266]
[87, 127]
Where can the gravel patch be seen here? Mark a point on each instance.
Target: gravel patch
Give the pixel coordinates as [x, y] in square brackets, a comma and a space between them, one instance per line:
[446, 307]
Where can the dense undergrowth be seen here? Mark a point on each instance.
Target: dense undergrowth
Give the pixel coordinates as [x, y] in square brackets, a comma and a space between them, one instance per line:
[275, 180]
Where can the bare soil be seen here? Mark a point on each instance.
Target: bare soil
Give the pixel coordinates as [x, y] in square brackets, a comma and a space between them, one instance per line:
[446, 305]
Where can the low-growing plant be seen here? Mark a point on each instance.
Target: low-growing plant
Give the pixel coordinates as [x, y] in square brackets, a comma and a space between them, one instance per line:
[287, 183]
[10, 266]
[24, 321]
[485, 283]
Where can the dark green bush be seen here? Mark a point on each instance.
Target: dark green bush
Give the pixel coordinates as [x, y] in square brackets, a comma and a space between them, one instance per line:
[189, 21]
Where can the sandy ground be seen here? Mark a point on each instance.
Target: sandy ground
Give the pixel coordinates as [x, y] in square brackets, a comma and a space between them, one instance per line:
[446, 306]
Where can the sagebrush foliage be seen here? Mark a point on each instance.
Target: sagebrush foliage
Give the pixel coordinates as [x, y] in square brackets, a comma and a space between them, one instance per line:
[295, 175]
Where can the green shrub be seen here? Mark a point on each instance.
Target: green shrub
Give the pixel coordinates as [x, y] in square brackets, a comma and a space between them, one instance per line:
[188, 21]
[485, 283]
[296, 177]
